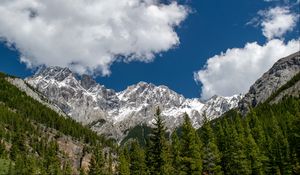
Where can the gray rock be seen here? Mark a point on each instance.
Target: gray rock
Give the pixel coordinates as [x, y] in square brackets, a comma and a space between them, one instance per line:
[281, 72]
[113, 113]
[291, 91]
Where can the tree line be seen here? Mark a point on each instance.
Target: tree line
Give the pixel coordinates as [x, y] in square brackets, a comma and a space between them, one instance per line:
[266, 141]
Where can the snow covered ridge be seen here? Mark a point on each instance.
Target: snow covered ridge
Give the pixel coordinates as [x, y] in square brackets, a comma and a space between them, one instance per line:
[113, 113]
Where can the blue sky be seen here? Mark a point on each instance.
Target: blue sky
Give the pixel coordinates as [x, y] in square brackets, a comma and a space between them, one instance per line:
[210, 28]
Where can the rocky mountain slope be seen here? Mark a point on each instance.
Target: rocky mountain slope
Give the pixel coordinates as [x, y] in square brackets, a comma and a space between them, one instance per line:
[36, 137]
[114, 113]
[280, 73]
[21, 85]
[292, 88]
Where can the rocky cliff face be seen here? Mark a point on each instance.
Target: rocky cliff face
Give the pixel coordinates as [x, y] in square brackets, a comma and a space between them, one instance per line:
[113, 113]
[281, 72]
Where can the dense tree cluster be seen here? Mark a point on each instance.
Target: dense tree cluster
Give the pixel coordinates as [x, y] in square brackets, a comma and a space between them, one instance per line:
[29, 132]
[31, 109]
[266, 141]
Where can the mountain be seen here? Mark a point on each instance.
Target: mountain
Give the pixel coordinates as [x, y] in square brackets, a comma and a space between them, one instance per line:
[271, 81]
[36, 137]
[114, 113]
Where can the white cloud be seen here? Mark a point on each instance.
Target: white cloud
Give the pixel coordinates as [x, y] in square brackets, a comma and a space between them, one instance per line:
[277, 21]
[234, 71]
[89, 35]
[237, 69]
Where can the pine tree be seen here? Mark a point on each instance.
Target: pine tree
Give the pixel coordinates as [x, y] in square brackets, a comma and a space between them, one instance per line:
[137, 159]
[67, 169]
[20, 167]
[14, 151]
[97, 165]
[234, 157]
[52, 163]
[253, 153]
[30, 164]
[94, 168]
[294, 143]
[211, 155]
[256, 128]
[278, 149]
[110, 163]
[220, 135]
[123, 164]
[158, 158]
[10, 169]
[175, 153]
[191, 163]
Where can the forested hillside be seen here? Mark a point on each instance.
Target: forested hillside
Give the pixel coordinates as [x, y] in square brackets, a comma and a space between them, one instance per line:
[33, 138]
[266, 141]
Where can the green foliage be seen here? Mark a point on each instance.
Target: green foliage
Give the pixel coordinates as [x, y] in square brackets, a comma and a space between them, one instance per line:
[175, 153]
[28, 133]
[235, 158]
[97, 166]
[137, 159]
[140, 133]
[124, 163]
[2, 150]
[29, 108]
[266, 141]
[191, 162]
[67, 169]
[4, 166]
[253, 153]
[211, 156]
[158, 153]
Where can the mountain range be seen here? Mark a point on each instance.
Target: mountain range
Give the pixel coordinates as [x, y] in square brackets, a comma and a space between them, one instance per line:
[114, 113]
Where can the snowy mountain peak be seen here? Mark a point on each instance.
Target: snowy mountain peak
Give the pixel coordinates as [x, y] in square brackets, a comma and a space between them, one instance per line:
[217, 105]
[113, 113]
[55, 72]
[139, 88]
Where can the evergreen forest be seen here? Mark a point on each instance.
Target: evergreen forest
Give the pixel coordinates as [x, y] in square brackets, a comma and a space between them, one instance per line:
[265, 141]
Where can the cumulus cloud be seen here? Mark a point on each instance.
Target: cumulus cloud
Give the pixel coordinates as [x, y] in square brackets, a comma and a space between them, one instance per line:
[89, 35]
[277, 21]
[237, 69]
[234, 71]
